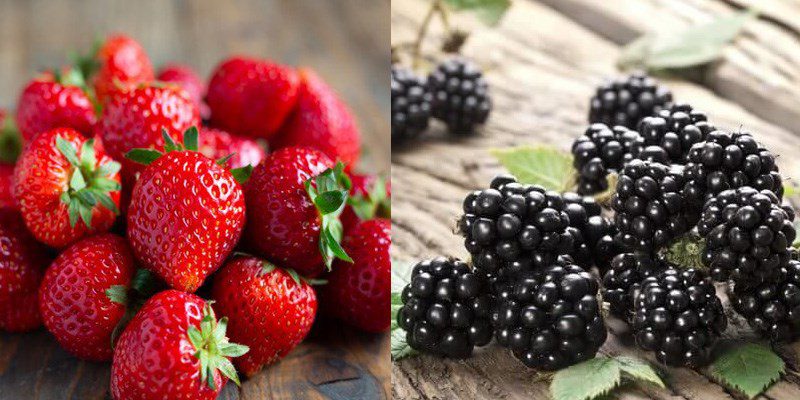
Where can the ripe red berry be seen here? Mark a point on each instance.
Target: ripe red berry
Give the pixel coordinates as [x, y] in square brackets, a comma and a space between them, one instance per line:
[216, 144]
[7, 187]
[186, 78]
[121, 64]
[55, 101]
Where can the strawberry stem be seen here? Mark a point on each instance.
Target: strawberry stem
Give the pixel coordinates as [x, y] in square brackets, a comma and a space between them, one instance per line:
[329, 192]
[213, 348]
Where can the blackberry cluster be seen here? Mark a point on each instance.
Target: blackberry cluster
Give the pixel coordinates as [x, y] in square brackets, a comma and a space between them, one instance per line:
[678, 316]
[747, 236]
[670, 134]
[772, 308]
[650, 209]
[511, 228]
[446, 310]
[460, 95]
[626, 100]
[411, 104]
[600, 151]
[624, 279]
[728, 161]
[551, 318]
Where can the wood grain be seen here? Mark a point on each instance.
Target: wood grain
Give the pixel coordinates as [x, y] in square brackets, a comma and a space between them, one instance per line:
[346, 41]
[542, 65]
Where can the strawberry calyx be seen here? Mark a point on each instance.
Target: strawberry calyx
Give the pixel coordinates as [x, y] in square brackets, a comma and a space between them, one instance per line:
[374, 204]
[213, 349]
[190, 143]
[329, 192]
[87, 64]
[143, 286]
[90, 185]
[10, 139]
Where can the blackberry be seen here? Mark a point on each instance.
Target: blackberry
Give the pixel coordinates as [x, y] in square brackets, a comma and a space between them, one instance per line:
[511, 228]
[460, 95]
[624, 279]
[747, 236]
[446, 310]
[592, 233]
[678, 316]
[551, 318]
[626, 100]
[650, 209]
[411, 104]
[728, 161]
[772, 308]
[670, 134]
[600, 151]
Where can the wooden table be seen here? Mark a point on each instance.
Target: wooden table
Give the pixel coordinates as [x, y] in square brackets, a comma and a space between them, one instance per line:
[346, 41]
[542, 64]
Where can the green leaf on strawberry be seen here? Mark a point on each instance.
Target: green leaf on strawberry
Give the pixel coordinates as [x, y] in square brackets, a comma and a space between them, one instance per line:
[329, 192]
[213, 349]
[375, 204]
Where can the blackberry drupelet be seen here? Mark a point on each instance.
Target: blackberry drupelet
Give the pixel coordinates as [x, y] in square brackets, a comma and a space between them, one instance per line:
[670, 134]
[592, 233]
[460, 95]
[772, 308]
[678, 316]
[624, 278]
[551, 318]
[602, 150]
[747, 236]
[446, 310]
[411, 104]
[728, 161]
[626, 100]
[650, 209]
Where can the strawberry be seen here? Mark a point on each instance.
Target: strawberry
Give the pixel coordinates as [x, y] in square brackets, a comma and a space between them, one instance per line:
[66, 188]
[55, 101]
[186, 213]
[135, 119]
[174, 348]
[321, 120]
[360, 293]
[294, 198]
[270, 309]
[82, 297]
[370, 197]
[22, 263]
[120, 64]
[186, 78]
[250, 97]
[217, 144]
[6, 187]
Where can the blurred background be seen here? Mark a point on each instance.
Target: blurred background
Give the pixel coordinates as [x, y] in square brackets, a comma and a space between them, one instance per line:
[346, 41]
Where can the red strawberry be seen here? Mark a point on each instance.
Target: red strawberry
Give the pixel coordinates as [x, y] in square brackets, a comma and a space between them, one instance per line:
[55, 101]
[121, 65]
[269, 309]
[186, 78]
[137, 118]
[186, 213]
[82, 296]
[289, 219]
[251, 97]
[6, 187]
[321, 120]
[66, 188]
[360, 293]
[173, 348]
[370, 197]
[22, 263]
[217, 144]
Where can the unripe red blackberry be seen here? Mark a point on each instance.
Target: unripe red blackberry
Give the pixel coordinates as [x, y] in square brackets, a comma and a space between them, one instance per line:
[678, 316]
[626, 100]
[411, 104]
[446, 309]
[772, 308]
[460, 95]
[602, 150]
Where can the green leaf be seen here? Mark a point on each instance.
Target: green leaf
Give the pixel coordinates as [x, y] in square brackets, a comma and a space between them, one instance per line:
[77, 182]
[143, 156]
[489, 11]
[86, 215]
[68, 150]
[750, 368]
[540, 165]
[109, 169]
[639, 370]
[190, 138]
[118, 294]
[267, 267]
[693, 46]
[226, 368]
[233, 350]
[169, 144]
[789, 190]
[10, 140]
[294, 275]
[586, 380]
[72, 210]
[242, 174]
[73, 77]
[106, 201]
[399, 347]
[224, 160]
[401, 274]
[331, 201]
[88, 159]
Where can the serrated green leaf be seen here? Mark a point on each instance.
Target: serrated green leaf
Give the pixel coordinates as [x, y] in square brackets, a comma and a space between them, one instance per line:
[401, 274]
[118, 294]
[693, 46]
[586, 380]
[399, 347]
[639, 370]
[750, 368]
[540, 165]
[226, 368]
[488, 11]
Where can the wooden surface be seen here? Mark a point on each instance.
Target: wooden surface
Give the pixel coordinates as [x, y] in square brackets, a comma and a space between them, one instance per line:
[543, 64]
[346, 41]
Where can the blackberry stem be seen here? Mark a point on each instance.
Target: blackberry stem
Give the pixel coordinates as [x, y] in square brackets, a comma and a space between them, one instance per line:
[686, 252]
[437, 8]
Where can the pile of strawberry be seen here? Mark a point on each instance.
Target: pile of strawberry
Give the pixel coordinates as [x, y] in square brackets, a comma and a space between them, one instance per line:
[144, 223]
